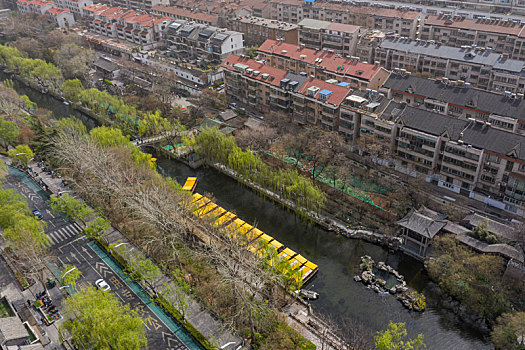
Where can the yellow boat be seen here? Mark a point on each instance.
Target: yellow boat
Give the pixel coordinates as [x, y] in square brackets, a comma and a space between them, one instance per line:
[190, 184]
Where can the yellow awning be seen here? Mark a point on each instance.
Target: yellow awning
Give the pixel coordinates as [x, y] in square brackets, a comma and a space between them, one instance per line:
[209, 207]
[266, 238]
[301, 259]
[216, 213]
[225, 218]
[196, 197]
[189, 184]
[311, 265]
[276, 244]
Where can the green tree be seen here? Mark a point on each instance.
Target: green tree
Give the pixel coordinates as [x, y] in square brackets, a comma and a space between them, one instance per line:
[22, 154]
[71, 126]
[69, 275]
[97, 320]
[4, 170]
[11, 203]
[394, 338]
[97, 228]
[482, 233]
[8, 132]
[108, 137]
[74, 61]
[71, 207]
[509, 333]
[71, 89]
[251, 51]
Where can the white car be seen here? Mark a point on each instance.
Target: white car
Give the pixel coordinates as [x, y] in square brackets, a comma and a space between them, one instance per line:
[102, 285]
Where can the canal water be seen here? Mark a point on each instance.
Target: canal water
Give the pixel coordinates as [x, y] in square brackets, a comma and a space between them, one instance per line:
[337, 257]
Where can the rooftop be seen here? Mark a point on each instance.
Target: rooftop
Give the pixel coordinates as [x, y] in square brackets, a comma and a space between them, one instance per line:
[269, 75]
[477, 99]
[270, 23]
[432, 123]
[424, 222]
[483, 25]
[176, 11]
[327, 60]
[11, 328]
[317, 24]
[333, 93]
[471, 55]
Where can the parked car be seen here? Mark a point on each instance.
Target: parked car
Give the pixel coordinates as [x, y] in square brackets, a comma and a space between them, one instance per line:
[37, 214]
[102, 285]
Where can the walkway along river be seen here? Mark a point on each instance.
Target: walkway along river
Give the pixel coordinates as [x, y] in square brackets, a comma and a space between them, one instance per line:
[337, 257]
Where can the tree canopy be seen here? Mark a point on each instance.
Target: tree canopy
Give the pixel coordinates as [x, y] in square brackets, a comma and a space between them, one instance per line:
[71, 207]
[21, 154]
[509, 333]
[97, 320]
[394, 338]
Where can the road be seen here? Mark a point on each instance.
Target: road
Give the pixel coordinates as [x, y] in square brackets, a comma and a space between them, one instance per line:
[70, 246]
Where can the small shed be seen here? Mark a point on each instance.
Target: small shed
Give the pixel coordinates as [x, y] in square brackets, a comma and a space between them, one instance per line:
[418, 229]
[109, 69]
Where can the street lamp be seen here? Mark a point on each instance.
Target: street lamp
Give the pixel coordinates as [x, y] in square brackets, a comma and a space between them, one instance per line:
[68, 271]
[121, 243]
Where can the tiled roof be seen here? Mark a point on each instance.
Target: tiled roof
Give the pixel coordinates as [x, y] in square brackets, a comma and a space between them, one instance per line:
[337, 95]
[432, 123]
[368, 10]
[491, 26]
[171, 10]
[329, 61]
[478, 99]
[317, 24]
[276, 73]
[419, 221]
[469, 55]
[495, 140]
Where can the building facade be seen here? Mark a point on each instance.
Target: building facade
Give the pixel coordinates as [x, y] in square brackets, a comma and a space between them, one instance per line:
[334, 37]
[190, 41]
[180, 13]
[257, 30]
[504, 37]
[323, 65]
[478, 67]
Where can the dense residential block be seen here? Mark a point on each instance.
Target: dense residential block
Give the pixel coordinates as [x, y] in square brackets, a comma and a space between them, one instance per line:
[191, 41]
[184, 14]
[58, 16]
[257, 30]
[322, 64]
[480, 67]
[334, 37]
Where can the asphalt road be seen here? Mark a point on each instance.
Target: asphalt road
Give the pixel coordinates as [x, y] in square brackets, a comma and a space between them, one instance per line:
[71, 247]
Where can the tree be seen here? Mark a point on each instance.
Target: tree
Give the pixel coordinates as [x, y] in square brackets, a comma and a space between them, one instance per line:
[74, 61]
[97, 228]
[509, 333]
[22, 154]
[482, 233]
[71, 89]
[8, 132]
[394, 338]
[69, 275]
[97, 320]
[251, 51]
[4, 170]
[71, 207]
[108, 137]
[473, 279]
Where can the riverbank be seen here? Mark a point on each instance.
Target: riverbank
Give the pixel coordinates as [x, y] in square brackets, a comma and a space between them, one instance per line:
[340, 298]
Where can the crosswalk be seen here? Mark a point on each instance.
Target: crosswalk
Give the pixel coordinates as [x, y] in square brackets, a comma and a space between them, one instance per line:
[64, 233]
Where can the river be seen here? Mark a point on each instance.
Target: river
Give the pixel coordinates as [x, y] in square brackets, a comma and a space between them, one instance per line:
[337, 257]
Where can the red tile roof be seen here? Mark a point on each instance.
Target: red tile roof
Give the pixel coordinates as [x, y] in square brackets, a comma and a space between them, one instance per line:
[276, 73]
[175, 11]
[368, 10]
[56, 11]
[491, 26]
[336, 97]
[340, 27]
[329, 61]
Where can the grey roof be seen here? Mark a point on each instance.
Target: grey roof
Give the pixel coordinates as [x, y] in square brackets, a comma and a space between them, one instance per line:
[314, 23]
[300, 79]
[475, 219]
[482, 100]
[487, 58]
[11, 328]
[498, 141]
[502, 249]
[432, 123]
[106, 65]
[424, 222]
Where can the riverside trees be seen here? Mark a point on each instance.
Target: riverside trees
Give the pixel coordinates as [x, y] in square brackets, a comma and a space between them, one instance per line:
[156, 215]
[212, 145]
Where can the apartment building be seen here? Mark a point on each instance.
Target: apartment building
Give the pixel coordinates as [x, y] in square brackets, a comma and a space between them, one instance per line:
[402, 22]
[187, 15]
[322, 64]
[470, 157]
[36, 6]
[478, 67]
[60, 17]
[136, 4]
[367, 44]
[191, 41]
[502, 111]
[257, 30]
[266, 88]
[74, 6]
[139, 28]
[336, 37]
[504, 37]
